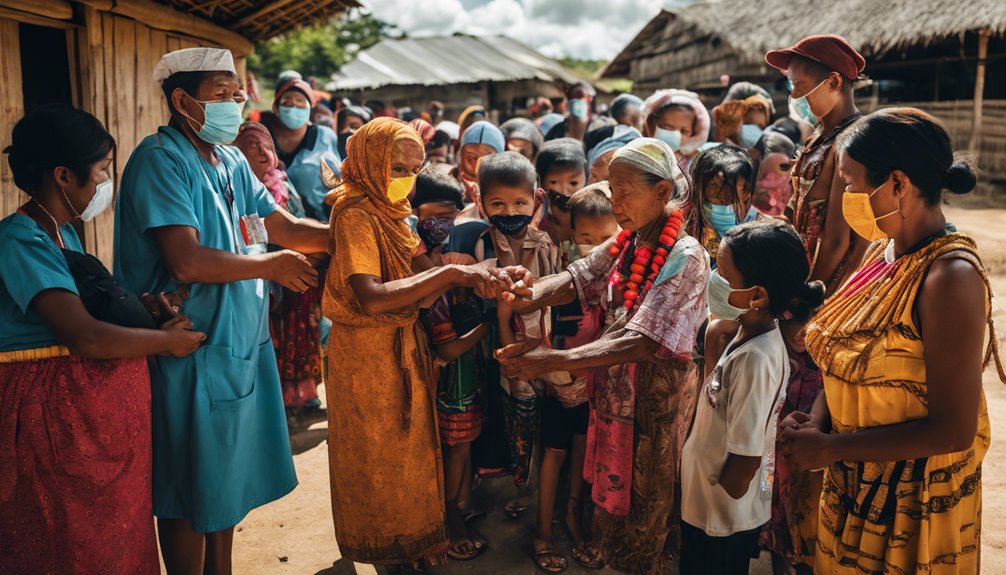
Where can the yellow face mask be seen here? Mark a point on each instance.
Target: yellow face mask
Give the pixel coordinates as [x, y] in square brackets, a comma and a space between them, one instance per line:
[858, 214]
[399, 188]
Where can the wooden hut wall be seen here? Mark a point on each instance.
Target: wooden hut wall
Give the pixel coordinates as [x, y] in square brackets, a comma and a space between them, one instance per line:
[11, 108]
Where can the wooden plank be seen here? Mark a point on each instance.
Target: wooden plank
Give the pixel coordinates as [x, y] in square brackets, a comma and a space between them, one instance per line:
[11, 109]
[19, 16]
[158, 48]
[164, 18]
[57, 9]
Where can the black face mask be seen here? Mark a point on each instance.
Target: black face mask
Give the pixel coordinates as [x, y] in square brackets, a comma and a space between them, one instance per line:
[559, 201]
[343, 139]
[510, 225]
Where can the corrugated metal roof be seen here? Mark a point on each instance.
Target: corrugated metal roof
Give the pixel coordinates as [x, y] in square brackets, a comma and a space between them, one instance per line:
[442, 60]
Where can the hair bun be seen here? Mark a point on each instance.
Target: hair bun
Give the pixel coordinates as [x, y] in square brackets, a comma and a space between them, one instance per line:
[961, 177]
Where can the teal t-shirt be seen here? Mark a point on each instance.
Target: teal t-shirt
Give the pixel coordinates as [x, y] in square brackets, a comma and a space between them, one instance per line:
[30, 262]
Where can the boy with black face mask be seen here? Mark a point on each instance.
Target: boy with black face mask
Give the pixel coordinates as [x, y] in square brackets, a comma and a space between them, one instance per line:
[508, 185]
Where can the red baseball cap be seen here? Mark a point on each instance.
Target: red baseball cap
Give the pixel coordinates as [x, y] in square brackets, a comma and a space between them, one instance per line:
[829, 50]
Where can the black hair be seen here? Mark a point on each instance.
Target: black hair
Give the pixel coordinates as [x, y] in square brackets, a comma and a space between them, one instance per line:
[594, 137]
[523, 129]
[819, 71]
[788, 127]
[732, 162]
[914, 142]
[623, 103]
[55, 135]
[188, 81]
[772, 142]
[770, 254]
[590, 202]
[561, 154]
[434, 185]
[744, 90]
[582, 84]
[440, 139]
[506, 169]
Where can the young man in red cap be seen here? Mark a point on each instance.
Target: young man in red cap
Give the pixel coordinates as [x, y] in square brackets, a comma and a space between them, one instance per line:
[821, 71]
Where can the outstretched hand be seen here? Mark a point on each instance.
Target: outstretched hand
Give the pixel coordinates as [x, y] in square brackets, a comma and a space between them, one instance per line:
[526, 359]
[519, 294]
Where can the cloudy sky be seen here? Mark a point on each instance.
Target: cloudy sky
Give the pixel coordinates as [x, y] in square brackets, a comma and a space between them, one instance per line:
[595, 29]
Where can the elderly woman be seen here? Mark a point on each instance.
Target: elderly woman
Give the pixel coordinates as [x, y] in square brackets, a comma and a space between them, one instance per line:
[901, 427]
[387, 479]
[650, 281]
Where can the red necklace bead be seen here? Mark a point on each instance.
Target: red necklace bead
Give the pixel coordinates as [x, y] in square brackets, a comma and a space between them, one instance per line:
[646, 260]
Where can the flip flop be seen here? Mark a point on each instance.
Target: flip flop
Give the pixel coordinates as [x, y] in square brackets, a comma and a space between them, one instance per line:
[542, 560]
[474, 549]
[513, 509]
[587, 556]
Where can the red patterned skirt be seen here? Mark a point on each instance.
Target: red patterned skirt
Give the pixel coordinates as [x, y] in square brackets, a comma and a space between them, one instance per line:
[296, 336]
[460, 426]
[75, 465]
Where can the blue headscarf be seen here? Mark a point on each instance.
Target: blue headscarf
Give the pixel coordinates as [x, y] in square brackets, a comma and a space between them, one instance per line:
[484, 133]
[622, 136]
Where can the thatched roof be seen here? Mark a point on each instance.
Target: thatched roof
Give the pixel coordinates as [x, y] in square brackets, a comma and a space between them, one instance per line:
[874, 27]
[262, 19]
[443, 60]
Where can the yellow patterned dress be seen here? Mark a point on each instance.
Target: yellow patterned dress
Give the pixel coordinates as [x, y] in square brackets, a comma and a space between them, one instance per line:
[921, 515]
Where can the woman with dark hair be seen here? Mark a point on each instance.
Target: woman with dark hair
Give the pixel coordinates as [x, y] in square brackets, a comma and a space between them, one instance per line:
[902, 425]
[303, 147]
[75, 484]
[722, 186]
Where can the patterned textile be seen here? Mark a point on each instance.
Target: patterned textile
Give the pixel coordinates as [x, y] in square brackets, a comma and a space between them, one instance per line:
[792, 531]
[911, 516]
[296, 337]
[381, 405]
[75, 483]
[460, 426]
[641, 412]
[810, 214]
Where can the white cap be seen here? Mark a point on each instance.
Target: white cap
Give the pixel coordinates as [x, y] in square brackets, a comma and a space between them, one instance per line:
[453, 130]
[194, 60]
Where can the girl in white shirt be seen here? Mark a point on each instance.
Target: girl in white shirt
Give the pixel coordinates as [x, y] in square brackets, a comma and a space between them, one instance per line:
[726, 476]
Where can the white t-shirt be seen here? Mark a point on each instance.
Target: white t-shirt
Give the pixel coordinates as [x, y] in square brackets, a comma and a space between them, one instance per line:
[748, 389]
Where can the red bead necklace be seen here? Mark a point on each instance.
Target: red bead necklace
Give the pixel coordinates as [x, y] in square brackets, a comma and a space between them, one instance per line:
[646, 262]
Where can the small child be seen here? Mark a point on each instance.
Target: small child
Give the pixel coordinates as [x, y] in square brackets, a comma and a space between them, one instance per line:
[508, 185]
[455, 327]
[723, 180]
[562, 170]
[727, 462]
[565, 413]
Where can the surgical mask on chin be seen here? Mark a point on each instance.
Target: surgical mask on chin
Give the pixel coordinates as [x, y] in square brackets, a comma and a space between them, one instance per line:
[99, 202]
[670, 137]
[510, 225]
[722, 218]
[718, 294]
[858, 213]
[294, 117]
[399, 188]
[579, 108]
[750, 134]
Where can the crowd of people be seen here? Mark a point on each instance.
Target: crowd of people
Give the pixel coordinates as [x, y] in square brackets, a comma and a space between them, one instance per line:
[693, 334]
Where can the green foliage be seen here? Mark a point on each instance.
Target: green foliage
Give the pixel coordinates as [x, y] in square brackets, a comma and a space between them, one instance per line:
[589, 70]
[321, 49]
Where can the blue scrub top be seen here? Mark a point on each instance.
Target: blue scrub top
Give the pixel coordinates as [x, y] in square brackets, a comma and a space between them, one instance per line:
[30, 262]
[305, 171]
[219, 427]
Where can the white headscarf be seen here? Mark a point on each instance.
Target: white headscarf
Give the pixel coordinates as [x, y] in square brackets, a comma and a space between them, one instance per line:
[652, 156]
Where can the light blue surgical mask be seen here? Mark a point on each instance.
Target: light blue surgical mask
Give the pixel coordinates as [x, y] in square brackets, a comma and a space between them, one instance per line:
[670, 137]
[750, 134]
[722, 218]
[579, 108]
[294, 117]
[221, 121]
[802, 108]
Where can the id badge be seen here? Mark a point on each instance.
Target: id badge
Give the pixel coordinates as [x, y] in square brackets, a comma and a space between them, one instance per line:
[253, 232]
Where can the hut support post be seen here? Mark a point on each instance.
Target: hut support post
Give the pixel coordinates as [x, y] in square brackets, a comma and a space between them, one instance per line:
[976, 127]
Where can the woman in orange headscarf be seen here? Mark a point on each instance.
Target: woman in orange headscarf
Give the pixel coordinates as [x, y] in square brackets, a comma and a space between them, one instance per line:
[384, 451]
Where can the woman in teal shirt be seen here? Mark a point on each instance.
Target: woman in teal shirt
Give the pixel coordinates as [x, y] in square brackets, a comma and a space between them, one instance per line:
[75, 490]
[191, 213]
[303, 146]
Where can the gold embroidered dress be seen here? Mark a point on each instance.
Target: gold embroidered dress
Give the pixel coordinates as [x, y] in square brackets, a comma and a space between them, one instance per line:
[921, 515]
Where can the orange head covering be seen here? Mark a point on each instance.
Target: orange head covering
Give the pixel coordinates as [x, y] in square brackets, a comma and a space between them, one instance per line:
[366, 174]
[728, 116]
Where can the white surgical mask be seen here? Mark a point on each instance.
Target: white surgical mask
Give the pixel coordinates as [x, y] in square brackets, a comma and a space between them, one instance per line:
[718, 292]
[100, 201]
[670, 137]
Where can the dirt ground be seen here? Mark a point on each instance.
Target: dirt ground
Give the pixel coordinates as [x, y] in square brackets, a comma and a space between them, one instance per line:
[294, 535]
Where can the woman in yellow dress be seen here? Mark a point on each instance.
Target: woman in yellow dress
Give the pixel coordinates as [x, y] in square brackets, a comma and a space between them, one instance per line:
[384, 451]
[902, 426]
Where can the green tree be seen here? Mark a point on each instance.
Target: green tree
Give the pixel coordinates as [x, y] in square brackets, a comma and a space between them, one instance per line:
[321, 49]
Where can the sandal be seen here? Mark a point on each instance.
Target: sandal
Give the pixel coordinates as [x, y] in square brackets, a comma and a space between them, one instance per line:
[466, 549]
[550, 561]
[514, 508]
[471, 513]
[587, 556]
